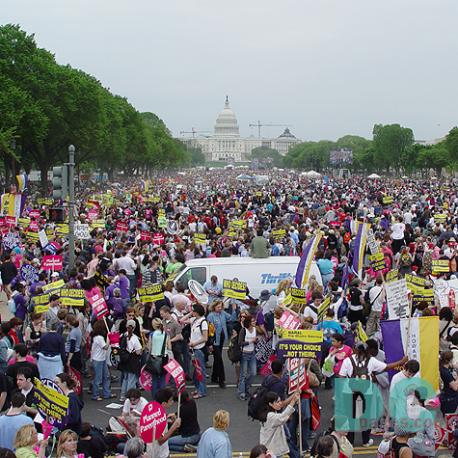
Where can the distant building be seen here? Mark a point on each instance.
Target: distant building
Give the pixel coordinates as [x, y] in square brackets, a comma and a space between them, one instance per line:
[226, 144]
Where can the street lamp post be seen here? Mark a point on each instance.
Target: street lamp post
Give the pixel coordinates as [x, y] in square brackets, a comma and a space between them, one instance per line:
[71, 206]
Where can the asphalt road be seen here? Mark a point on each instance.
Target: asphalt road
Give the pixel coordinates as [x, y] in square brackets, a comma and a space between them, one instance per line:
[243, 432]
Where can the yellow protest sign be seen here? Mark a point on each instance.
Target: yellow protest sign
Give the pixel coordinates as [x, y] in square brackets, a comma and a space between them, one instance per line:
[151, 293]
[72, 297]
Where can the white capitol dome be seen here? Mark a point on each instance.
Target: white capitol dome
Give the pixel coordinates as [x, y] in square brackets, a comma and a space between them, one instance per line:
[226, 123]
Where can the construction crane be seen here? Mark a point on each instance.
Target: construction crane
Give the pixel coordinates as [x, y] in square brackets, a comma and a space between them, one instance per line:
[261, 124]
[194, 132]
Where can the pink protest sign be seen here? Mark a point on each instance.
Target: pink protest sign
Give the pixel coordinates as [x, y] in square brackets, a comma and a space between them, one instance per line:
[52, 263]
[10, 221]
[158, 238]
[93, 214]
[177, 373]
[297, 377]
[152, 422]
[289, 321]
[35, 214]
[146, 379]
[122, 227]
[145, 235]
[99, 306]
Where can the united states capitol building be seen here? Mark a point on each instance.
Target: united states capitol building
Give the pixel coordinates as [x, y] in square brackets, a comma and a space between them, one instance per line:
[226, 144]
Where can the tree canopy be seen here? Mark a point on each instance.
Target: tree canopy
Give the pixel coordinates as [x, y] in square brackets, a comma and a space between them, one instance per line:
[46, 107]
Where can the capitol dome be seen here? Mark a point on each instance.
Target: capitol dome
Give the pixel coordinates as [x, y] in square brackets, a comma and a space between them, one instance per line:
[226, 123]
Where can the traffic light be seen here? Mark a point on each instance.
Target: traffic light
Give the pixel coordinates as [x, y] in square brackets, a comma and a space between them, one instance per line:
[60, 182]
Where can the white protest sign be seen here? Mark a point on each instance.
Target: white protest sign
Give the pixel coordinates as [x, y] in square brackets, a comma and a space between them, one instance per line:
[397, 300]
[10, 240]
[82, 231]
[371, 243]
[43, 238]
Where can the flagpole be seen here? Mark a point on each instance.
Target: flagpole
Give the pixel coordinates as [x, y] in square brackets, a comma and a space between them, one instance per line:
[299, 407]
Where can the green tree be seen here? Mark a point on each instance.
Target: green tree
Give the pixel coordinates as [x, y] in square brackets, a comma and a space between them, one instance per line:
[390, 144]
[451, 143]
[272, 155]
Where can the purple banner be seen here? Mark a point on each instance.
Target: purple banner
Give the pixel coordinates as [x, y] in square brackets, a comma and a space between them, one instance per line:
[392, 340]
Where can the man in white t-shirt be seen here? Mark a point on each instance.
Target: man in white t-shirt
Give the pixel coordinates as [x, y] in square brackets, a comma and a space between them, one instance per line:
[199, 337]
[376, 298]
[411, 369]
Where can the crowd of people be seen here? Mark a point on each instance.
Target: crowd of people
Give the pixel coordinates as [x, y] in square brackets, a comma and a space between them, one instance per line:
[142, 233]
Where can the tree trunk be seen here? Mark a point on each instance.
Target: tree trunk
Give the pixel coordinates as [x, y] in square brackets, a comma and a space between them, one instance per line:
[44, 180]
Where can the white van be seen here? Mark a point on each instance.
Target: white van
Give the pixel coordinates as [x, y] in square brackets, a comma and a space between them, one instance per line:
[259, 274]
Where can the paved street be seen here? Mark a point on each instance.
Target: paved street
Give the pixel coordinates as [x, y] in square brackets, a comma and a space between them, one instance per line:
[244, 432]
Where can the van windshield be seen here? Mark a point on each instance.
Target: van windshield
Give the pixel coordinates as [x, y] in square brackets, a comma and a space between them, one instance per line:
[194, 273]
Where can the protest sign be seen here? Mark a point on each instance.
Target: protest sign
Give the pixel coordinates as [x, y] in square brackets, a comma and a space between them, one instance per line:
[392, 275]
[32, 236]
[44, 201]
[145, 236]
[145, 379]
[23, 222]
[50, 402]
[162, 222]
[10, 240]
[122, 226]
[10, 221]
[72, 297]
[278, 234]
[82, 231]
[43, 238]
[33, 226]
[289, 321]
[387, 200]
[295, 296]
[28, 273]
[101, 280]
[62, 229]
[54, 286]
[371, 242]
[35, 214]
[52, 262]
[440, 266]
[41, 303]
[93, 214]
[200, 238]
[426, 295]
[234, 289]
[151, 293]
[152, 422]
[397, 299]
[99, 306]
[238, 224]
[98, 224]
[177, 373]
[300, 343]
[440, 218]
[377, 261]
[323, 308]
[158, 238]
[415, 284]
[296, 375]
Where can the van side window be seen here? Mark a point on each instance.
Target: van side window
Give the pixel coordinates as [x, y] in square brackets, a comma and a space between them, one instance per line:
[194, 273]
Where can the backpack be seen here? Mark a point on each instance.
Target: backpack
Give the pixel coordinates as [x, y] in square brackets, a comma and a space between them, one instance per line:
[360, 371]
[234, 352]
[256, 402]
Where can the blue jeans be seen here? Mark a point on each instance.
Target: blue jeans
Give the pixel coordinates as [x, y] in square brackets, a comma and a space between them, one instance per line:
[132, 284]
[177, 443]
[129, 381]
[247, 372]
[200, 386]
[157, 383]
[294, 421]
[101, 376]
